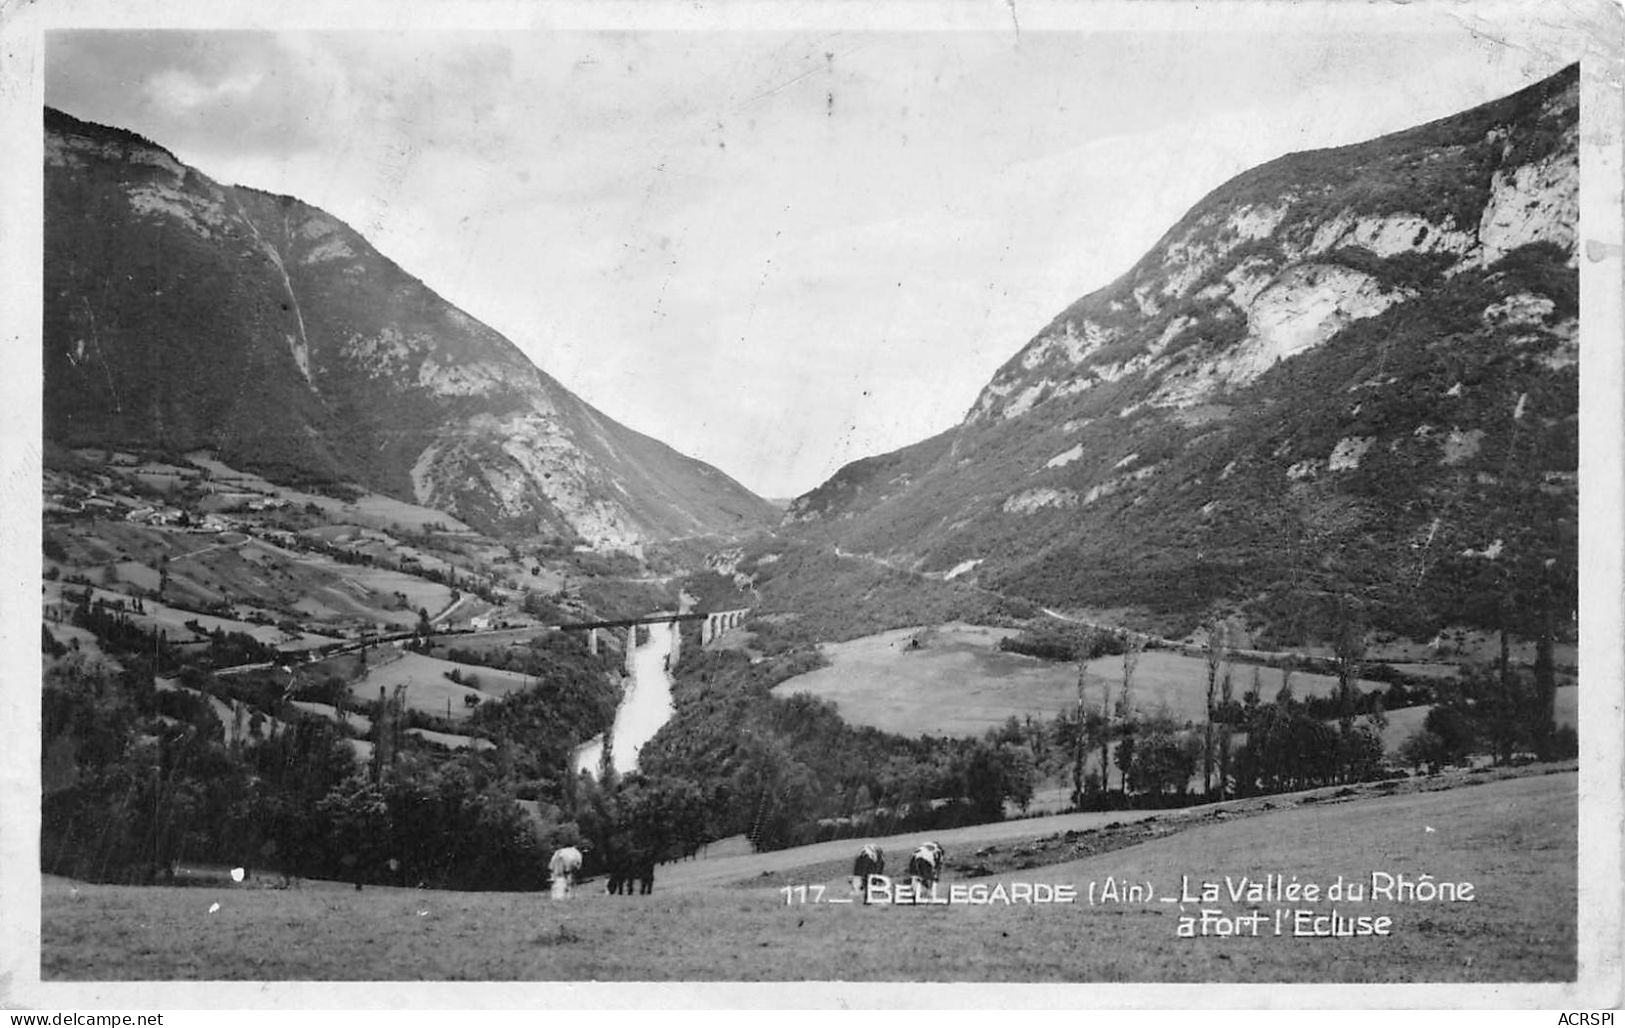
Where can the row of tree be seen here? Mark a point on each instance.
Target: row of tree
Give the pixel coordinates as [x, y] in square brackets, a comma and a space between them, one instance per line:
[1249, 745]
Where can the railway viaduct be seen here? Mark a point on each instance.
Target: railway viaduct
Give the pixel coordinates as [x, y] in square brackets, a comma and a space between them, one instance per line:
[711, 626]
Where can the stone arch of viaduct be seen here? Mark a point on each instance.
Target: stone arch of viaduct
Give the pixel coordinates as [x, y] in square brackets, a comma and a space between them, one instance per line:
[720, 621]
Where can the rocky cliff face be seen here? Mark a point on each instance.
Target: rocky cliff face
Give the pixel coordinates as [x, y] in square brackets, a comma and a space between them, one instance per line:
[1268, 410]
[184, 314]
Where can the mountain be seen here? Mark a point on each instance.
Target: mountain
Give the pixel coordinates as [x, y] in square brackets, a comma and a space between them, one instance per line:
[1344, 384]
[181, 314]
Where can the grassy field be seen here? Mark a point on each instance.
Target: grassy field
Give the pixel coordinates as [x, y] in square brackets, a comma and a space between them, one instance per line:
[370, 508]
[206, 569]
[172, 620]
[427, 687]
[879, 681]
[420, 593]
[1514, 839]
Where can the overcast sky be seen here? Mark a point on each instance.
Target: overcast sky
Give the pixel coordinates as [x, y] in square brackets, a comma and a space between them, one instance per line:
[781, 250]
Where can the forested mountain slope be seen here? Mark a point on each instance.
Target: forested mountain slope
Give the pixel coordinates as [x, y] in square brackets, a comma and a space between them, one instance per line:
[1345, 380]
[183, 314]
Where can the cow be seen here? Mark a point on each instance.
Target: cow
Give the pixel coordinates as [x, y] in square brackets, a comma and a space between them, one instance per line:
[871, 861]
[646, 876]
[632, 876]
[925, 866]
[562, 868]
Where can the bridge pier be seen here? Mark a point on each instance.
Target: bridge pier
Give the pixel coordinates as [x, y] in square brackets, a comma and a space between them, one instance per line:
[631, 647]
[676, 643]
[592, 641]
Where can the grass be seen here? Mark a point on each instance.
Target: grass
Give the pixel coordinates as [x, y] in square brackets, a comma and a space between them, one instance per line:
[205, 569]
[173, 620]
[428, 689]
[880, 682]
[1514, 839]
[382, 582]
[369, 508]
[1180, 682]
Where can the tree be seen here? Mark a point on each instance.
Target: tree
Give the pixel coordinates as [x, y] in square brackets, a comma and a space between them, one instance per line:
[424, 630]
[1283, 695]
[1080, 738]
[357, 827]
[1424, 749]
[1020, 773]
[1164, 757]
[1544, 722]
[388, 727]
[1103, 732]
[985, 786]
[1348, 649]
[1126, 754]
[1037, 740]
[1217, 653]
[1072, 739]
[1362, 753]
[1453, 727]
[1226, 705]
[1131, 660]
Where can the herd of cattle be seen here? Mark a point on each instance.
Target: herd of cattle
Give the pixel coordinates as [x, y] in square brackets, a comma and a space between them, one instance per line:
[625, 876]
[924, 869]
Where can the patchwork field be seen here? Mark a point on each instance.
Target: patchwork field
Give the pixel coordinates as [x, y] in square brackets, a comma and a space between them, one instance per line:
[427, 687]
[1514, 840]
[249, 574]
[172, 620]
[370, 508]
[880, 681]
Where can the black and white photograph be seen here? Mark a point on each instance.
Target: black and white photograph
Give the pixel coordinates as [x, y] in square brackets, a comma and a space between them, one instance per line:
[913, 505]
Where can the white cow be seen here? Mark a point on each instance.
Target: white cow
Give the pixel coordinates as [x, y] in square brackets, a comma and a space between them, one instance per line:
[562, 868]
[925, 865]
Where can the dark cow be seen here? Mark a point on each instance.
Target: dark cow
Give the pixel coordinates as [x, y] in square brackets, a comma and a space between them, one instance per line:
[925, 866]
[631, 876]
[871, 861]
[646, 877]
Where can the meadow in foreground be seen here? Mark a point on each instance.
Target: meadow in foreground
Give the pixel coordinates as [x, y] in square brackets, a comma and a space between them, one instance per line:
[1515, 840]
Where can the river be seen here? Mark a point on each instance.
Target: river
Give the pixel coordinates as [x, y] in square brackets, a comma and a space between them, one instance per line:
[645, 707]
